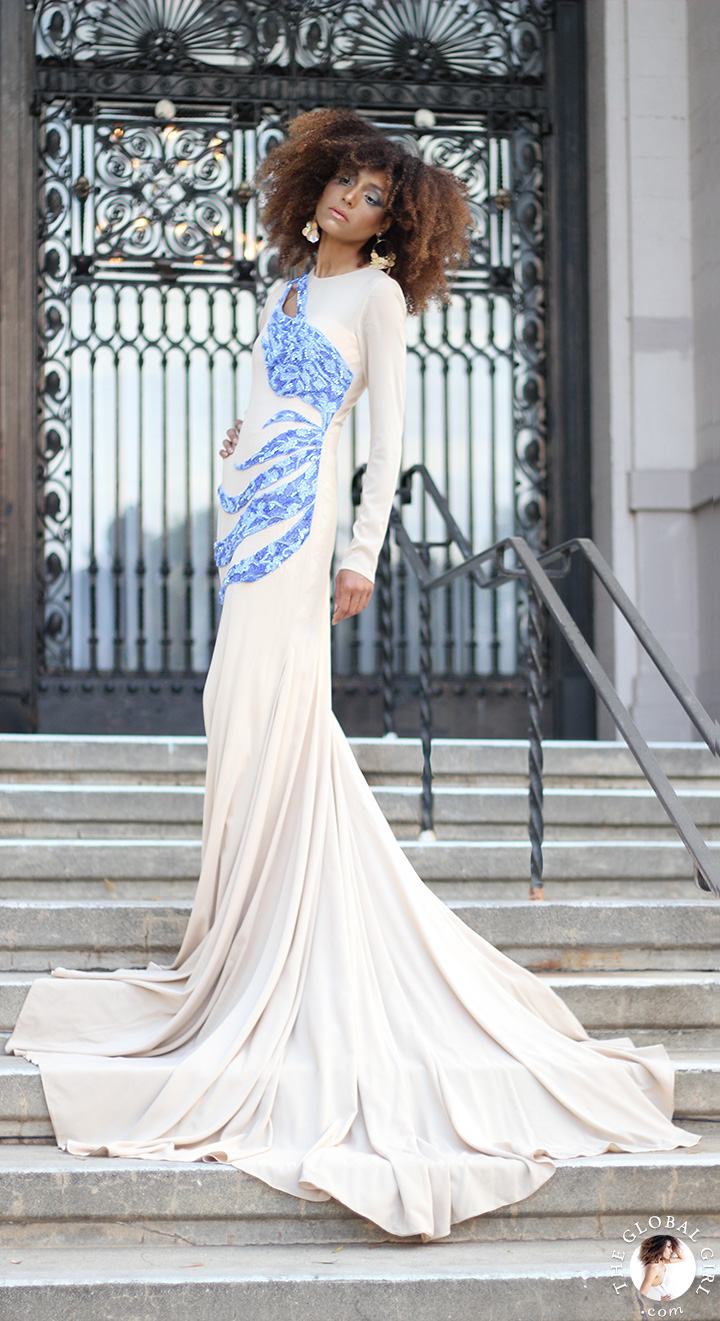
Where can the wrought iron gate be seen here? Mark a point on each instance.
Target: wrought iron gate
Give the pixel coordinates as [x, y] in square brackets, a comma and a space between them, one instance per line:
[152, 116]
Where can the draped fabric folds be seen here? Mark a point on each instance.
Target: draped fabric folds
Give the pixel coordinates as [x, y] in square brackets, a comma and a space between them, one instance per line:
[328, 1026]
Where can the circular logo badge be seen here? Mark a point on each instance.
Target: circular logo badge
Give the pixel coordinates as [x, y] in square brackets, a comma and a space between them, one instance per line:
[662, 1267]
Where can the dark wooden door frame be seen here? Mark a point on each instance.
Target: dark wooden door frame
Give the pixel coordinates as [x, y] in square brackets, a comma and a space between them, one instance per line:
[569, 455]
[17, 347]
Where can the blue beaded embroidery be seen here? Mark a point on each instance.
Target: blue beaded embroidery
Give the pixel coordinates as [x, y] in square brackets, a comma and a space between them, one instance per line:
[301, 363]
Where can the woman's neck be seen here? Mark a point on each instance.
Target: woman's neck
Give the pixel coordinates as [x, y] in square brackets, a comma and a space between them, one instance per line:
[335, 258]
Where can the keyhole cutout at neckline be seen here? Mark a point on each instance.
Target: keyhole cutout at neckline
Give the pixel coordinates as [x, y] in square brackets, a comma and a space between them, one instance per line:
[291, 301]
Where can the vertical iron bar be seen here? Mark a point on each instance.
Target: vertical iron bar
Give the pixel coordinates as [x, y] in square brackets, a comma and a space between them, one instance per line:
[385, 635]
[356, 497]
[355, 646]
[93, 567]
[497, 258]
[535, 750]
[189, 569]
[448, 630]
[165, 641]
[423, 460]
[118, 566]
[494, 613]
[141, 567]
[333, 631]
[425, 667]
[402, 617]
[471, 642]
[212, 573]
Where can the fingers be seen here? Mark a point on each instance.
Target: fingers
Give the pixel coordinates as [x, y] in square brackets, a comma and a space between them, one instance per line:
[231, 439]
[350, 596]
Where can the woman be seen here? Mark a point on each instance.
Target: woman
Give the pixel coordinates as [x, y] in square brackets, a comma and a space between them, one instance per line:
[656, 1253]
[329, 1026]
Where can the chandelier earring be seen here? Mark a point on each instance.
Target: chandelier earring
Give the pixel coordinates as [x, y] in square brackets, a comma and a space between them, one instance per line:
[382, 261]
[311, 231]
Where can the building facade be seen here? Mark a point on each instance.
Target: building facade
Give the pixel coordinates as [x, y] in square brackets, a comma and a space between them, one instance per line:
[654, 210]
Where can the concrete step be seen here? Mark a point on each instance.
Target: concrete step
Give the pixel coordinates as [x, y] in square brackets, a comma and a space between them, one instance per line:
[455, 869]
[552, 935]
[126, 759]
[421, 1282]
[184, 891]
[681, 1009]
[640, 1002]
[99, 810]
[606, 1003]
[35, 936]
[580, 935]
[120, 759]
[51, 1199]
[66, 860]
[23, 1112]
[170, 811]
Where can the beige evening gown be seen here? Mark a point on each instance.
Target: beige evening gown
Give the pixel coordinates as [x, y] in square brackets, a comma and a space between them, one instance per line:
[328, 1026]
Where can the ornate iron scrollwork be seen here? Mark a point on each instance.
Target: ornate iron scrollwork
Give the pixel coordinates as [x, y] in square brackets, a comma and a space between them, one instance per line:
[529, 282]
[153, 116]
[437, 40]
[54, 448]
[163, 192]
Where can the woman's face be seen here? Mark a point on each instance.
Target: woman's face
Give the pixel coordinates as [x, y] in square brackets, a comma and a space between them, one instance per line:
[352, 206]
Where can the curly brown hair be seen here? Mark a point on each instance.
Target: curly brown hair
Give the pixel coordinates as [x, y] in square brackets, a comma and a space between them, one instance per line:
[652, 1248]
[427, 206]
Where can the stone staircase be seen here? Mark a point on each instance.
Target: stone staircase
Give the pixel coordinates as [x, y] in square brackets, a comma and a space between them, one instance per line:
[99, 852]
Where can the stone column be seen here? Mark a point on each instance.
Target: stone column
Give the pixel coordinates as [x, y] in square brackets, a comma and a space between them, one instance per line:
[704, 84]
[17, 414]
[642, 343]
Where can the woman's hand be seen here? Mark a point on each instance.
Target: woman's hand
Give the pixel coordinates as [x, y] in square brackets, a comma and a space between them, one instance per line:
[352, 593]
[229, 444]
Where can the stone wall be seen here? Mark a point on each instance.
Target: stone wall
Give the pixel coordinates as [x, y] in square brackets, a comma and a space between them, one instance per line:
[704, 110]
[654, 163]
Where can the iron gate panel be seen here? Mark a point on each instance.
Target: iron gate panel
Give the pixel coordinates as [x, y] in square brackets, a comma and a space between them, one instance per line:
[151, 268]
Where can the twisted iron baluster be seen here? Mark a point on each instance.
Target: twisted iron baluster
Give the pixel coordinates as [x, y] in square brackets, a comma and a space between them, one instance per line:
[428, 830]
[535, 750]
[385, 622]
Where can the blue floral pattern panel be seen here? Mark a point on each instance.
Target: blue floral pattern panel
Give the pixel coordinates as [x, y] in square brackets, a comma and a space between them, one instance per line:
[301, 363]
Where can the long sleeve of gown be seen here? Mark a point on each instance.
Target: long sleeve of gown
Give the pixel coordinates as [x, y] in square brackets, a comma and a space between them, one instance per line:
[382, 336]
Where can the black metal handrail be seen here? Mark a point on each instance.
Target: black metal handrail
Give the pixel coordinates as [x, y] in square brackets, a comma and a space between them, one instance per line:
[489, 569]
[708, 729]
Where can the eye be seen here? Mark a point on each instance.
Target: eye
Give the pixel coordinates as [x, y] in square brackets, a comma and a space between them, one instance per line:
[373, 200]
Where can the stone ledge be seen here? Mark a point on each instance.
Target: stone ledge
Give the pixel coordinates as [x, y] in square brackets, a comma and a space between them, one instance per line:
[102, 1198]
[552, 935]
[165, 806]
[627, 1001]
[465, 1282]
[65, 757]
[111, 859]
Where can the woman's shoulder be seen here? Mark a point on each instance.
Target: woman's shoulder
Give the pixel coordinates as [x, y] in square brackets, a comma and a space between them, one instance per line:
[383, 289]
[383, 300]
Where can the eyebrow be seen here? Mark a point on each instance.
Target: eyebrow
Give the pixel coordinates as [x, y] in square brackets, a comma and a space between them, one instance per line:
[374, 187]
